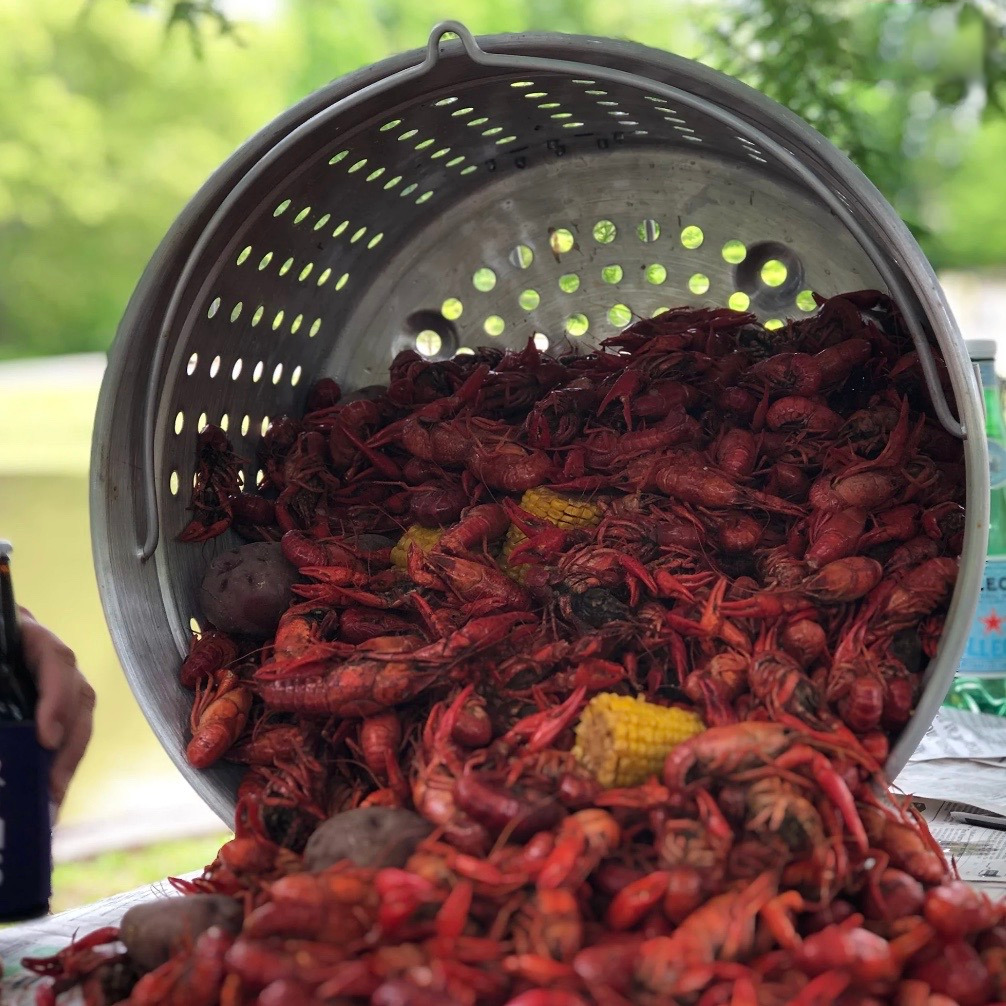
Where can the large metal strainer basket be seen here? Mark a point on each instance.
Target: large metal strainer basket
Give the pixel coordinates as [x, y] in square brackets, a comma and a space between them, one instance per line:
[476, 191]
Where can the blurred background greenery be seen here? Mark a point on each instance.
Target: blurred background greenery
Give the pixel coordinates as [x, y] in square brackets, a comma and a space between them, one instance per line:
[115, 111]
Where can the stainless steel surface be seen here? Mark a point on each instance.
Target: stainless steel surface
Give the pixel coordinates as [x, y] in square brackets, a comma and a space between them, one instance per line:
[540, 184]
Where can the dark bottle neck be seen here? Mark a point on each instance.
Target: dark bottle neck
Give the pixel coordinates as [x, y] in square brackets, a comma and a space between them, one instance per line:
[17, 686]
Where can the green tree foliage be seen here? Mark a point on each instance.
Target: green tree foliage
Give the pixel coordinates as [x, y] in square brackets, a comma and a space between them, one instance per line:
[902, 87]
[115, 111]
[107, 127]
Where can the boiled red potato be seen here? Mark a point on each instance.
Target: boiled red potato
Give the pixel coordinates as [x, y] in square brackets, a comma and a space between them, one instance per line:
[246, 590]
[368, 836]
[155, 931]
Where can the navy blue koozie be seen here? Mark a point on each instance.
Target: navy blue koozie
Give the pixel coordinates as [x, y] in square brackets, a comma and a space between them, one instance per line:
[25, 818]
[25, 825]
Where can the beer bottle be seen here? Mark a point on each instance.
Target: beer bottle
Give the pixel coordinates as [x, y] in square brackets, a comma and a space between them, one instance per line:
[25, 823]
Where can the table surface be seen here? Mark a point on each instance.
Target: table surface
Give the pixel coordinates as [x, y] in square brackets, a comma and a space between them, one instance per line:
[50, 934]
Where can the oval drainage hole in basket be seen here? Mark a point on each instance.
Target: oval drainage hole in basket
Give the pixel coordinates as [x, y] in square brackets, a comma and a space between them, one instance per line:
[521, 257]
[433, 335]
[771, 274]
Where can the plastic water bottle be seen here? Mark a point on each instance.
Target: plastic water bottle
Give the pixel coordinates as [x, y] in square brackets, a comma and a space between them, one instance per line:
[980, 684]
[25, 821]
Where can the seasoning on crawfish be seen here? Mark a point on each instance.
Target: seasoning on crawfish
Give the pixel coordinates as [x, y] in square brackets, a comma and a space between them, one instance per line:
[582, 560]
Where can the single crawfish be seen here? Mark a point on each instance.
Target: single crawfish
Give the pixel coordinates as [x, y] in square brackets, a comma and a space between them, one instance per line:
[556, 419]
[303, 503]
[191, 978]
[608, 451]
[374, 681]
[509, 466]
[276, 443]
[736, 451]
[834, 535]
[906, 841]
[432, 433]
[785, 374]
[479, 525]
[338, 905]
[839, 582]
[478, 585]
[795, 413]
[584, 839]
[919, 593]
[780, 685]
[380, 737]
[722, 752]
[700, 845]
[80, 962]
[219, 715]
[587, 566]
[550, 925]
[208, 653]
[302, 551]
[215, 488]
[275, 742]
[701, 485]
[722, 929]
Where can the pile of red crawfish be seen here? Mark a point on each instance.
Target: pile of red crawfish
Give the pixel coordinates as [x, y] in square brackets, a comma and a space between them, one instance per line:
[781, 516]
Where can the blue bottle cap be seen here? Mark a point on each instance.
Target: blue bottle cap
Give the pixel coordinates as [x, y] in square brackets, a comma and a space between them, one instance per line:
[982, 349]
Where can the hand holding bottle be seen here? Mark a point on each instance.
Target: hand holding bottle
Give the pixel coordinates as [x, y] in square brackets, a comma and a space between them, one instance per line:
[64, 716]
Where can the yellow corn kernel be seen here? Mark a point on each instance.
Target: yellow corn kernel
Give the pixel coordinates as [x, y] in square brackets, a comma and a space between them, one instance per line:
[557, 509]
[424, 537]
[623, 740]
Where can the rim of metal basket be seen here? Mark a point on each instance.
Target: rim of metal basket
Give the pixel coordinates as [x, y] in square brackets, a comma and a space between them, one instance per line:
[148, 545]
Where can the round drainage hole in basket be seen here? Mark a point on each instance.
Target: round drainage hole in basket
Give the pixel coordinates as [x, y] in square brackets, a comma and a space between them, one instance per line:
[561, 240]
[432, 334]
[771, 274]
[805, 301]
[522, 257]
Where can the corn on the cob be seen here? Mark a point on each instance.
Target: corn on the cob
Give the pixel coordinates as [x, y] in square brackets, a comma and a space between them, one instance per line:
[416, 534]
[622, 740]
[562, 511]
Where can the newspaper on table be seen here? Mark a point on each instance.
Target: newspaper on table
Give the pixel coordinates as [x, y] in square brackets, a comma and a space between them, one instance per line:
[963, 755]
[957, 733]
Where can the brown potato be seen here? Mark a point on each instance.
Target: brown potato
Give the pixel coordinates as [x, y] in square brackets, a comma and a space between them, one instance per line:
[157, 930]
[368, 836]
[246, 590]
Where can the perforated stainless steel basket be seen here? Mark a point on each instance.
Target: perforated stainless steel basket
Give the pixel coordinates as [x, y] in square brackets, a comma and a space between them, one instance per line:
[477, 191]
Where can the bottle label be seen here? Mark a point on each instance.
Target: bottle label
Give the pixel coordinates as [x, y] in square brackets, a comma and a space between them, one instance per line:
[985, 652]
[997, 464]
[25, 824]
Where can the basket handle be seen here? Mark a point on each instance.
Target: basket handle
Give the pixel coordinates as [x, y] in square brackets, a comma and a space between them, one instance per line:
[148, 543]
